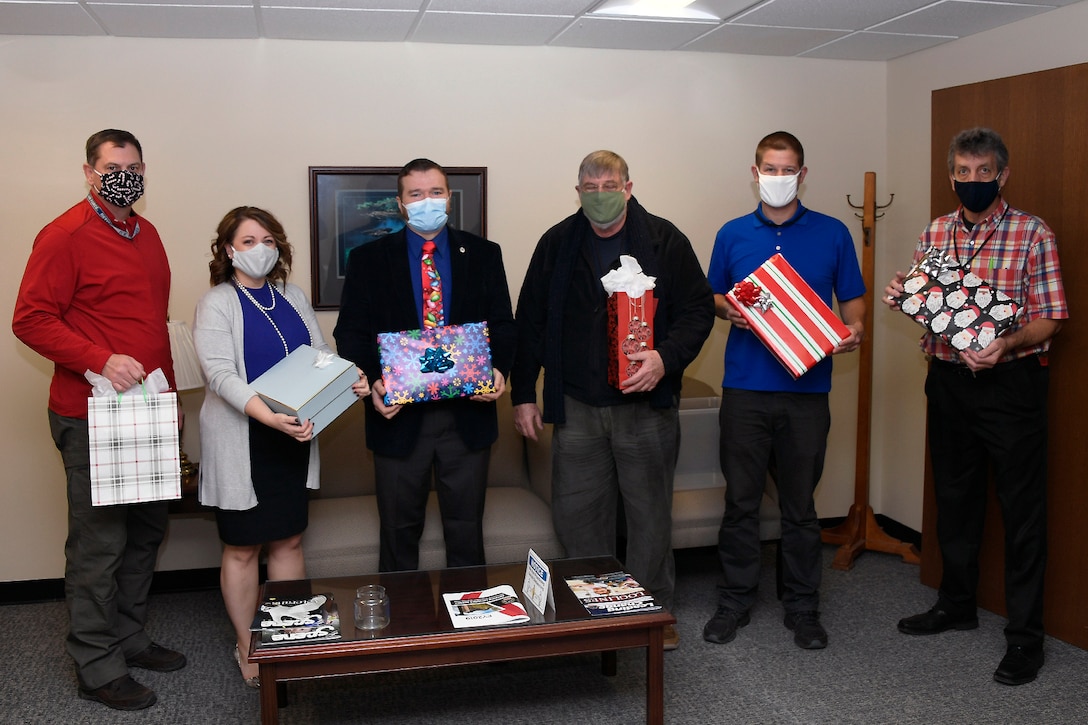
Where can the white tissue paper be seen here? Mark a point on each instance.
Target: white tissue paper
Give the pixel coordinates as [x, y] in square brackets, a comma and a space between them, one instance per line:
[153, 384]
[628, 278]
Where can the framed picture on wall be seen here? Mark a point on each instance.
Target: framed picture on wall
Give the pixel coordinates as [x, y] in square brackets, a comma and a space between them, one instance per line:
[351, 206]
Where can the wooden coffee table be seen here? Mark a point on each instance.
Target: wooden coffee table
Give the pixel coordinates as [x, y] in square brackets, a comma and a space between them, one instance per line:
[421, 635]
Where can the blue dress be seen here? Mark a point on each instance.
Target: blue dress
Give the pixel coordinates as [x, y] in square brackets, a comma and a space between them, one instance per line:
[278, 463]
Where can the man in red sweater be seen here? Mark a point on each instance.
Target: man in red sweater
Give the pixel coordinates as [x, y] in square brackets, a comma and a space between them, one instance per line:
[94, 297]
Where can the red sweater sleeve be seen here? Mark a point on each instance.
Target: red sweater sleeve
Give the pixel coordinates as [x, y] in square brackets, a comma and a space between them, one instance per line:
[45, 295]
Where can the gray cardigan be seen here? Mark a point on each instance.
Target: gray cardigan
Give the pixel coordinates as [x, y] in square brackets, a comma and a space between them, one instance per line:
[225, 478]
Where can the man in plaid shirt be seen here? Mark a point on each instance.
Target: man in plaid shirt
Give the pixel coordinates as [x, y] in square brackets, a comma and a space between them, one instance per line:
[987, 409]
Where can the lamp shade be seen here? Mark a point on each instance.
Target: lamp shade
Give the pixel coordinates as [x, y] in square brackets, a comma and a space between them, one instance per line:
[187, 373]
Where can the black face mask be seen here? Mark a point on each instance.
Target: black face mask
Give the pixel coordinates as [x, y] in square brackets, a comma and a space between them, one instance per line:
[976, 196]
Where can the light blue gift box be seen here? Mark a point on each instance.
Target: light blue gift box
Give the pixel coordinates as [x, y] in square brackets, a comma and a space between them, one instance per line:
[295, 387]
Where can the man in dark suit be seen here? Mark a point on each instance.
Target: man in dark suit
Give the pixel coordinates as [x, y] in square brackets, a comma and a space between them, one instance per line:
[449, 439]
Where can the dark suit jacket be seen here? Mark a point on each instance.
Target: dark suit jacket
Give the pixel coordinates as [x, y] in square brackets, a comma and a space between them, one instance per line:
[378, 297]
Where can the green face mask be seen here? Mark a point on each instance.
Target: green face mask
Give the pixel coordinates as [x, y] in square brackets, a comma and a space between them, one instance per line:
[603, 207]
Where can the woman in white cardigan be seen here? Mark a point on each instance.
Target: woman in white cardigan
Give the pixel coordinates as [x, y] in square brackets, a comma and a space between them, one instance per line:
[256, 464]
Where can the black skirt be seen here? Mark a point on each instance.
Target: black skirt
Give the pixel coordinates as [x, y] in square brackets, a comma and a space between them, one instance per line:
[278, 464]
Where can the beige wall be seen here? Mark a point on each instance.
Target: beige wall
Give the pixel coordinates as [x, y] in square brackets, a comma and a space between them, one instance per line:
[238, 122]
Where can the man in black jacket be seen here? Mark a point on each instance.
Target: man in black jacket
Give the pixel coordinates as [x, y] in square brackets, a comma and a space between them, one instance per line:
[449, 439]
[609, 442]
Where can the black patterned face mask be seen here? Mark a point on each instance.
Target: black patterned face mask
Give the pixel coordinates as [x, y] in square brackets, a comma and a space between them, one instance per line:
[121, 188]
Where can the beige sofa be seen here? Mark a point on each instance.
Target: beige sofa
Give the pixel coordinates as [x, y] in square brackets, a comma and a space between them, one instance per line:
[342, 538]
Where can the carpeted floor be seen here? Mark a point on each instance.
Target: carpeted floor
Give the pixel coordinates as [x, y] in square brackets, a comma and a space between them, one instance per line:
[868, 674]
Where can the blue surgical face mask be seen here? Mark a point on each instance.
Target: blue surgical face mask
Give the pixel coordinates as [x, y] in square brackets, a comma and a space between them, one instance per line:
[427, 215]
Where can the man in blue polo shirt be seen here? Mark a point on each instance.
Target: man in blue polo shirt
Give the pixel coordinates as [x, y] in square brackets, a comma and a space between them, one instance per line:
[768, 420]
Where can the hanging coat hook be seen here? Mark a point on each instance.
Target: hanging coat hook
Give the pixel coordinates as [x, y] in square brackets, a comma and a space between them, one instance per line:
[891, 198]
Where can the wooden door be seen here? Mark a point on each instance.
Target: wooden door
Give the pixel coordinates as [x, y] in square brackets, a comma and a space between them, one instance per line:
[1043, 118]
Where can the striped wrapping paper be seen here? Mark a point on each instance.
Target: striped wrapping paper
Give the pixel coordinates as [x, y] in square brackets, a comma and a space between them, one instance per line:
[134, 448]
[787, 316]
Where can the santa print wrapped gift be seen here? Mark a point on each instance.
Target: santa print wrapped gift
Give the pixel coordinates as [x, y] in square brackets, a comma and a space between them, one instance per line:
[964, 309]
[631, 307]
[787, 316]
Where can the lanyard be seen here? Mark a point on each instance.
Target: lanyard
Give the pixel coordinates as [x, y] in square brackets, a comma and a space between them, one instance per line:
[955, 240]
[123, 231]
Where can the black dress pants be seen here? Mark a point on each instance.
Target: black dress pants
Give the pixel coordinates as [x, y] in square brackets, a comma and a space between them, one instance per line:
[995, 422]
[404, 484]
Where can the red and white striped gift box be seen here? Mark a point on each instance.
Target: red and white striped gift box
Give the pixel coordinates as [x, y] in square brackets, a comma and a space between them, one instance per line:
[789, 318]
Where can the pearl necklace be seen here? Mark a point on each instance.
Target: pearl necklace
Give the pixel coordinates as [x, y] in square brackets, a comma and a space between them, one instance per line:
[265, 310]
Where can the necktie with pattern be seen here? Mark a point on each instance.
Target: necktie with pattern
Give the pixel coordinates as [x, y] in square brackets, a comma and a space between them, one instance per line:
[432, 288]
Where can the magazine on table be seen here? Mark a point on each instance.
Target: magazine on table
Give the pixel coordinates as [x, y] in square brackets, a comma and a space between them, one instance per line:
[616, 592]
[282, 620]
[485, 607]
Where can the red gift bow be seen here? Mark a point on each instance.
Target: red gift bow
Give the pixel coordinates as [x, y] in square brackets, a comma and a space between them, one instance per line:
[751, 294]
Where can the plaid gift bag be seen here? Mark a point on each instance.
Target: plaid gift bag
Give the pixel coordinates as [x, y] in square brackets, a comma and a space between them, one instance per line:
[134, 448]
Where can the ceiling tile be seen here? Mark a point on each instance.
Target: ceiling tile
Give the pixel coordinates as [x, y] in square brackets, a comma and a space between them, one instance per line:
[516, 7]
[488, 29]
[358, 25]
[953, 17]
[176, 21]
[413, 5]
[828, 14]
[724, 9]
[874, 46]
[46, 18]
[762, 41]
[630, 34]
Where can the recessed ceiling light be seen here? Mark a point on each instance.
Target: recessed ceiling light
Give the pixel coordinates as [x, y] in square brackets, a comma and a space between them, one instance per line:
[654, 9]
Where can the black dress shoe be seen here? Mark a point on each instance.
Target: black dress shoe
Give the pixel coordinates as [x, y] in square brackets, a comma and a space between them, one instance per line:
[1019, 666]
[158, 659]
[722, 627]
[124, 693]
[808, 633]
[936, 621]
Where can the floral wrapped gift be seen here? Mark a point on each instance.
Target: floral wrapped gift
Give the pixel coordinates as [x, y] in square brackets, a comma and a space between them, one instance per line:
[964, 309]
[436, 363]
[786, 315]
[631, 307]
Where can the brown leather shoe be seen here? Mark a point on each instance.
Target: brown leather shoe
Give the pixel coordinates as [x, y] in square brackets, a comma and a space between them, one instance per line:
[158, 659]
[124, 693]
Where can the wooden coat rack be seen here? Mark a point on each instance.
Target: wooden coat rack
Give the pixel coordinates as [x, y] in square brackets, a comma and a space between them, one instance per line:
[860, 532]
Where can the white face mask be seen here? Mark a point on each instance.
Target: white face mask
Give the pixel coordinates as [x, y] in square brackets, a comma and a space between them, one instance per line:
[778, 191]
[257, 261]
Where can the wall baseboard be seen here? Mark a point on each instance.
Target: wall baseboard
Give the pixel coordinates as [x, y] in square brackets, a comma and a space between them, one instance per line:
[164, 582]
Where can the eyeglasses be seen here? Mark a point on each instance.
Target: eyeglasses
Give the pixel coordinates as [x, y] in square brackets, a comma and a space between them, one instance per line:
[607, 186]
